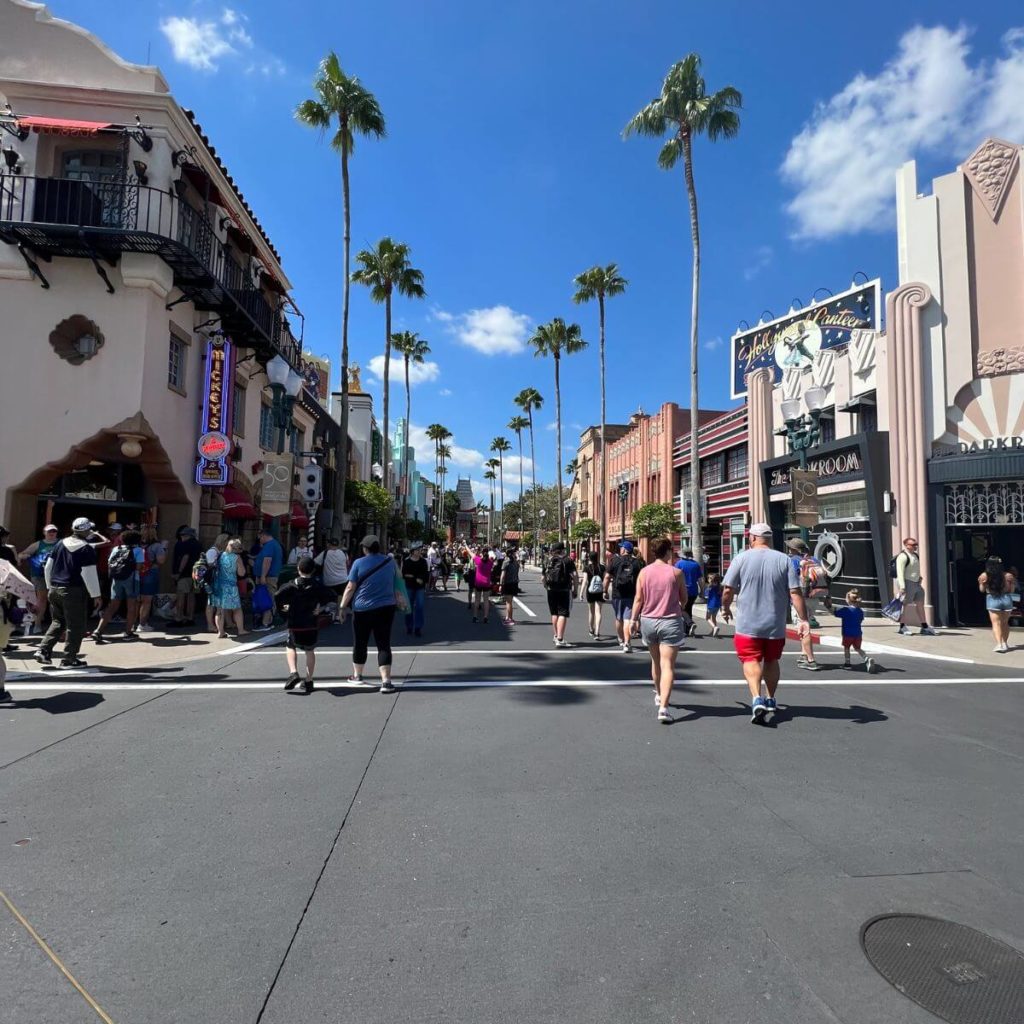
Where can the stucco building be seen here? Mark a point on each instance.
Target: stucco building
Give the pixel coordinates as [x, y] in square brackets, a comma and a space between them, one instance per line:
[139, 292]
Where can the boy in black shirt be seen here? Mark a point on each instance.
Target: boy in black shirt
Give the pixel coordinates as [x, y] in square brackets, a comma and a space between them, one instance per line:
[302, 598]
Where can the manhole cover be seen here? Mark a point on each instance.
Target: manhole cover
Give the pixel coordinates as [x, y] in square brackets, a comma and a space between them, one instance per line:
[957, 973]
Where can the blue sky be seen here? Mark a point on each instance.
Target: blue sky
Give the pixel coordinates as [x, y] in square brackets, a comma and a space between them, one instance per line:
[505, 170]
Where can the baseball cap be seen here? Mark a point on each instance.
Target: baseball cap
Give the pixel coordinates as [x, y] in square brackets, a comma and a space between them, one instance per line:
[626, 545]
[369, 540]
[796, 544]
[416, 545]
[760, 530]
[48, 527]
[116, 528]
[81, 525]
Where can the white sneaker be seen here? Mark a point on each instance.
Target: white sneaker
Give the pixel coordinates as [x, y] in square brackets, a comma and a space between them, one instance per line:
[693, 629]
[716, 632]
[869, 666]
[657, 698]
[663, 715]
[626, 648]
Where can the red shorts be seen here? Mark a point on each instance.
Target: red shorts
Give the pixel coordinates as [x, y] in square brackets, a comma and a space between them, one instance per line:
[852, 641]
[758, 648]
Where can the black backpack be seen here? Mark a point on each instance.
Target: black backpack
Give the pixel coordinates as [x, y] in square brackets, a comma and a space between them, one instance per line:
[556, 576]
[121, 563]
[626, 574]
[893, 574]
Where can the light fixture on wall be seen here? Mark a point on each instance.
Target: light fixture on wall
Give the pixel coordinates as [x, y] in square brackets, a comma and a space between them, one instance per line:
[140, 171]
[86, 345]
[180, 187]
[131, 445]
[13, 159]
[140, 135]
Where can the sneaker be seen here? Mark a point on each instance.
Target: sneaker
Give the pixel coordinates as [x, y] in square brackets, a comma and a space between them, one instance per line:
[98, 640]
[693, 629]
[387, 688]
[928, 631]
[43, 658]
[626, 648]
[663, 716]
[757, 710]
[657, 698]
[801, 660]
[146, 628]
[1006, 647]
[903, 631]
[5, 695]
[770, 707]
[73, 663]
[356, 681]
[813, 623]
[129, 636]
[847, 664]
[809, 666]
[869, 666]
[307, 687]
[716, 632]
[256, 629]
[292, 681]
[591, 632]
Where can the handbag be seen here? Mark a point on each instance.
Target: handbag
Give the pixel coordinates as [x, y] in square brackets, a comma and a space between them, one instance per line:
[893, 610]
[401, 594]
[261, 599]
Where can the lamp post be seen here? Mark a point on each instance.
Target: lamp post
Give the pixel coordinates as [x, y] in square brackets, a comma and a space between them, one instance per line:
[285, 385]
[623, 495]
[803, 432]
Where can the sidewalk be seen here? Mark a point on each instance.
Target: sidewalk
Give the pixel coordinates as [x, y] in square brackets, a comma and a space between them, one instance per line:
[156, 651]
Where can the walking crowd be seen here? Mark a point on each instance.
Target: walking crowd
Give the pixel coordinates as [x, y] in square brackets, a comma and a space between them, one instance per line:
[764, 591]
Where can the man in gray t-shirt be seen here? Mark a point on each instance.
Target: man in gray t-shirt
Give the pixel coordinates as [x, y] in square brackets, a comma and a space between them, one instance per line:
[766, 583]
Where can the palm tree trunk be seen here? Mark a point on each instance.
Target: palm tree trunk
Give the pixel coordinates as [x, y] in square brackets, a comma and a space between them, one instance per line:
[558, 435]
[604, 447]
[387, 436]
[522, 507]
[696, 538]
[501, 474]
[533, 483]
[405, 442]
[342, 466]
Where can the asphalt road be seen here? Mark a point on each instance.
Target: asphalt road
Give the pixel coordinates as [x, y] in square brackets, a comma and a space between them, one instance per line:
[511, 838]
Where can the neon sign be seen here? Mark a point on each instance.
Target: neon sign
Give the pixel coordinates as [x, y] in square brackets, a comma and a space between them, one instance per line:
[214, 444]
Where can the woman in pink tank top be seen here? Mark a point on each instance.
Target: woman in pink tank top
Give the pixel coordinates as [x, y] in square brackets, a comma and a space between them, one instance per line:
[659, 603]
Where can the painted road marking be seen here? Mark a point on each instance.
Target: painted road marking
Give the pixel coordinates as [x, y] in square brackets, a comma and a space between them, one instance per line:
[896, 652]
[529, 611]
[442, 684]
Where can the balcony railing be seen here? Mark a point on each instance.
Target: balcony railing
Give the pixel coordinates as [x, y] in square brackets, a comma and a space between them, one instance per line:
[76, 218]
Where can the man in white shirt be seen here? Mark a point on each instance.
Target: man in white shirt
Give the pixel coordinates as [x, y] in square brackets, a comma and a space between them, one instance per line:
[909, 588]
[334, 562]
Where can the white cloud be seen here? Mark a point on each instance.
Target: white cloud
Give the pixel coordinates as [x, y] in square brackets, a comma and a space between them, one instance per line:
[552, 426]
[496, 330]
[419, 373]
[461, 457]
[761, 258]
[843, 161]
[203, 43]
[1002, 112]
[712, 344]
[445, 392]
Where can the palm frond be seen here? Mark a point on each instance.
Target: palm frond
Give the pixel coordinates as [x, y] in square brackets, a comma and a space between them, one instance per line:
[649, 121]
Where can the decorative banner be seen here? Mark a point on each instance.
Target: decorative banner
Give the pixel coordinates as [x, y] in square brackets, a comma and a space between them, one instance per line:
[804, 483]
[316, 372]
[791, 342]
[829, 469]
[277, 485]
[214, 443]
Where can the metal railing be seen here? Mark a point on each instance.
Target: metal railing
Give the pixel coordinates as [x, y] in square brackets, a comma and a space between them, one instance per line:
[115, 209]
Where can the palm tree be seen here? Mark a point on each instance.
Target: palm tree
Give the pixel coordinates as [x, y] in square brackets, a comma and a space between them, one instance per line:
[490, 476]
[413, 350]
[345, 101]
[385, 270]
[518, 424]
[553, 339]
[600, 283]
[434, 434]
[685, 110]
[444, 453]
[529, 399]
[572, 467]
[501, 445]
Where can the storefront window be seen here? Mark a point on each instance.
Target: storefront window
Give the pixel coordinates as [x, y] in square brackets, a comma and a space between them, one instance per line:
[711, 471]
[847, 505]
[266, 428]
[93, 483]
[867, 419]
[828, 429]
[238, 410]
[736, 463]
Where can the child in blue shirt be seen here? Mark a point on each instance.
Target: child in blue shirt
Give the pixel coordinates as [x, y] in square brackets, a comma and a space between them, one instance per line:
[713, 597]
[852, 617]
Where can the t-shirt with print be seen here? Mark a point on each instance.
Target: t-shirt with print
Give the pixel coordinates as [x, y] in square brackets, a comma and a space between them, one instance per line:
[763, 578]
[374, 591]
[852, 619]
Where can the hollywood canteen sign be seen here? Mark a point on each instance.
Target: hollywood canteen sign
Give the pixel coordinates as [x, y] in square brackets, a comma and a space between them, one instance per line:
[841, 464]
[792, 341]
[214, 445]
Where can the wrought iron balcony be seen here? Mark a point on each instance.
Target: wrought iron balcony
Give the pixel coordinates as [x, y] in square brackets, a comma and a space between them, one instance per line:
[99, 220]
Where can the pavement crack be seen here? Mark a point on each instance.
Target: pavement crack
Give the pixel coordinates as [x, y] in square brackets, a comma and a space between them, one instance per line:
[327, 860]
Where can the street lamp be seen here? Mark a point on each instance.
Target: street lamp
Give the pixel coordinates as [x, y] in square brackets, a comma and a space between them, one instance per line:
[803, 432]
[623, 495]
[285, 385]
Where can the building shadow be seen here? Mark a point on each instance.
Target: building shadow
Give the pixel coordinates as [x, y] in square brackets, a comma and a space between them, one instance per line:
[548, 695]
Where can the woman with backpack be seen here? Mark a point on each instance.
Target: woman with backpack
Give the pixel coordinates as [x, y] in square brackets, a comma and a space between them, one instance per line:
[226, 597]
[593, 586]
[509, 585]
[212, 557]
[35, 556]
[484, 565]
[122, 568]
[998, 586]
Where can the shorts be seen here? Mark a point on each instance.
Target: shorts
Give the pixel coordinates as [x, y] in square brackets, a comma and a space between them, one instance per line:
[758, 648]
[623, 607]
[915, 592]
[852, 641]
[303, 639]
[124, 590]
[149, 585]
[559, 602]
[510, 590]
[184, 585]
[668, 631]
[1000, 603]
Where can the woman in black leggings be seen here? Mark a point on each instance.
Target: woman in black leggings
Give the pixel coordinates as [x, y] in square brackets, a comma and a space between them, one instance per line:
[371, 593]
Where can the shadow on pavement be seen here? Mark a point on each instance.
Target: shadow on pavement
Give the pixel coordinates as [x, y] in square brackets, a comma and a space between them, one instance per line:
[59, 703]
[549, 695]
[855, 714]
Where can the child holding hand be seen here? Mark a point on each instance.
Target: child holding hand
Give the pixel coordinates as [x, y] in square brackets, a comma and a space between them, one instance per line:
[852, 618]
[713, 597]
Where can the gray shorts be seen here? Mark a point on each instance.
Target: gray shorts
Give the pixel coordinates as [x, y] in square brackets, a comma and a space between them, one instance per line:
[623, 607]
[668, 631]
[915, 592]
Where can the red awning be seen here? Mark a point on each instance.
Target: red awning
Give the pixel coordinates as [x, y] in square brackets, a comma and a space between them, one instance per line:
[299, 517]
[237, 505]
[63, 125]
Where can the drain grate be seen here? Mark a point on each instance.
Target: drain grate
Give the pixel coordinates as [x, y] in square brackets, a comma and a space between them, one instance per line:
[961, 975]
